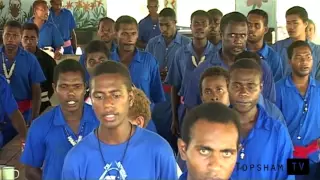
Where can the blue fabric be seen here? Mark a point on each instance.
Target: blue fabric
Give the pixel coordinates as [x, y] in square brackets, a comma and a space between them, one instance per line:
[165, 54]
[301, 121]
[192, 92]
[47, 143]
[274, 61]
[282, 46]
[182, 67]
[267, 144]
[84, 161]
[27, 72]
[145, 74]
[148, 29]
[49, 35]
[272, 110]
[65, 23]
[8, 105]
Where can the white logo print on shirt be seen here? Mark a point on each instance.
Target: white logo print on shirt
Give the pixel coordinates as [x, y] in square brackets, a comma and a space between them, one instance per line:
[115, 170]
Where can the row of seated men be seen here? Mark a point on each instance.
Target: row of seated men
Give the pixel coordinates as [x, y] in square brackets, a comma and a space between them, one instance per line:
[276, 119]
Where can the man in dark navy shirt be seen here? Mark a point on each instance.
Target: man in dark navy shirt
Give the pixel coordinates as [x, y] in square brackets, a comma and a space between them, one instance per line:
[210, 142]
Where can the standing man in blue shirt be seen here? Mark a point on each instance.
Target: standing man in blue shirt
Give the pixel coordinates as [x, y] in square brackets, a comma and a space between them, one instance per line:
[164, 47]
[149, 26]
[49, 36]
[52, 135]
[22, 71]
[186, 59]
[260, 133]
[298, 98]
[258, 27]
[63, 19]
[143, 67]
[113, 150]
[106, 33]
[210, 142]
[297, 22]
[9, 112]
[214, 35]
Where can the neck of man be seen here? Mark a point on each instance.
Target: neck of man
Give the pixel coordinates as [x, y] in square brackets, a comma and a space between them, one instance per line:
[32, 50]
[154, 17]
[199, 45]
[168, 40]
[109, 44]
[255, 46]
[116, 135]
[10, 53]
[39, 22]
[227, 58]
[74, 116]
[214, 40]
[302, 37]
[57, 12]
[300, 80]
[248, 120]
[125, 56]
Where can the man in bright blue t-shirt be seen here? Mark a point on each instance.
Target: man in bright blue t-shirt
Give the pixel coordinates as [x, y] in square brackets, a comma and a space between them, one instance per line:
[265, 141]
[9, 112]
[117, 149]
[53, 134]
[210, 142]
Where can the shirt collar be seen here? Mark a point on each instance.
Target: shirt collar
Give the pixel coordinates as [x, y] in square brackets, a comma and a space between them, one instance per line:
[264, 51]
[136, 56]
[207, 50]
[20, 51]
[289, 82]
[87, 117]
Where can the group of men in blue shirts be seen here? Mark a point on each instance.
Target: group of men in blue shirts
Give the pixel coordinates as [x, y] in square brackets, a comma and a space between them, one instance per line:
[253, 97]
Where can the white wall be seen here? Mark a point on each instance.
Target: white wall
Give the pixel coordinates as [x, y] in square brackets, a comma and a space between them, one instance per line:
[186, 7]
[135, 8]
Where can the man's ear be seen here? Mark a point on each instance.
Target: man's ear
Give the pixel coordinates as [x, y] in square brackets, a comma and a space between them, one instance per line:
[139, 121]
[182, 146]
[54, 87]
[131, 98]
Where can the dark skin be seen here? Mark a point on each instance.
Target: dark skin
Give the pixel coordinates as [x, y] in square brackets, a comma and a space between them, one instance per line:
[301, 63]
[106, 32]
[11, 39]
[214, 36]
[56, 6]
[234, 39]
[257, 30]
[212, 150]
[111, 100]
[69, 87]
[19, 124]
[244, 90]
[127, 38]
[200, 27]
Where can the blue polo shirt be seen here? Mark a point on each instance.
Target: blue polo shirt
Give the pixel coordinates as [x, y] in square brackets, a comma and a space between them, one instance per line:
[65, 23]
[26, 73]
[148, 29]
[301, 112]
[192, 91]
[82, 60]
[163, 53]
[49, 35]
[84, 161]
[266, 150]
[145, 74]
[182, 66]
[47, 143]
[184, 176]
[8, 104]
[273, 59]
[282, 46]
